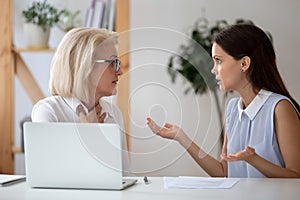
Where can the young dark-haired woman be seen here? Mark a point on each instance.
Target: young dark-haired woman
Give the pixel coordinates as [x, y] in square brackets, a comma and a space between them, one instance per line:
[262, 133]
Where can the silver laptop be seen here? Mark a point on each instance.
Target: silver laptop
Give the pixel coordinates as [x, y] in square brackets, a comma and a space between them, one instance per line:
[74, 155]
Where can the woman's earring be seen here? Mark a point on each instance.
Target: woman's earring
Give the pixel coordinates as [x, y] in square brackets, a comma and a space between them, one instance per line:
[243, 70]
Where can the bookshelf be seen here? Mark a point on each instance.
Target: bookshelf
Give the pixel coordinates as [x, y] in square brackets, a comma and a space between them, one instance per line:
[11, 64]
[6, 89]
[123, 26]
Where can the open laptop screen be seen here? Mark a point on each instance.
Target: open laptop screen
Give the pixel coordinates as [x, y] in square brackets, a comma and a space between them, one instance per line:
[73, 155]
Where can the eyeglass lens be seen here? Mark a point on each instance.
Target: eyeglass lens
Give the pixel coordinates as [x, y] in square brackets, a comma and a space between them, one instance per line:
[117, 64]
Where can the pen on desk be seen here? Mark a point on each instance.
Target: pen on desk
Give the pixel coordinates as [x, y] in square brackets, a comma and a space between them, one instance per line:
[146, 180]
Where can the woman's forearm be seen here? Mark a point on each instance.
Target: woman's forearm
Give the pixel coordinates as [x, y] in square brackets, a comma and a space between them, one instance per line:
[209, 164]
[271, 170]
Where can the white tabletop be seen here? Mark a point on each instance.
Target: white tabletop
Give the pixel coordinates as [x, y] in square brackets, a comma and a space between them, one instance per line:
[267, 189]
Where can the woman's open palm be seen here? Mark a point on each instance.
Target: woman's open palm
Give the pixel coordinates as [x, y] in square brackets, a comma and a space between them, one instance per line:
[168, 131]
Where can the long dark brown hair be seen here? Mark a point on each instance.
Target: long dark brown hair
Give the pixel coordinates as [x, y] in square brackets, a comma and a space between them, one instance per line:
[249, 40]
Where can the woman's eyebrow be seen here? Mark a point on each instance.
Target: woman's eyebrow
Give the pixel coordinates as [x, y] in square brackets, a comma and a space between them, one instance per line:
[216, 56]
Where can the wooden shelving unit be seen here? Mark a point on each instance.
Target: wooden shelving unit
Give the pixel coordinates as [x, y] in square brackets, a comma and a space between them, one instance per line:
[11, 64]
[123, 27]
[6, 89]
[24, 50]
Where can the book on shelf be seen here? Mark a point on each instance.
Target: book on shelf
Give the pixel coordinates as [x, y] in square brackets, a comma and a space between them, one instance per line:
[89, 15]
[98, 14]
[101, 14]
[112, 15]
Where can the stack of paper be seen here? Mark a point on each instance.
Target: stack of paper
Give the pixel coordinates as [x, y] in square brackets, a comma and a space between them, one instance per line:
[198, 182]
[6, 179]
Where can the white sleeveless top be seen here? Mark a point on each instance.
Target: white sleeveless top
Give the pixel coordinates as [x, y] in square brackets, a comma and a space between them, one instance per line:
[254, 127]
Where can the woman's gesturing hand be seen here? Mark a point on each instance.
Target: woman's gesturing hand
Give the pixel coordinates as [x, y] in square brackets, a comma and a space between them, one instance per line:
[168, 131]
[245, 155]
[94, 116]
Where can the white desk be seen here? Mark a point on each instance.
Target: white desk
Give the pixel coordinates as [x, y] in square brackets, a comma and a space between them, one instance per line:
[266, 189]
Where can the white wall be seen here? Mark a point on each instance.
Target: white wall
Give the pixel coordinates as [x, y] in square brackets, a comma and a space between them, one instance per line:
[152, 92]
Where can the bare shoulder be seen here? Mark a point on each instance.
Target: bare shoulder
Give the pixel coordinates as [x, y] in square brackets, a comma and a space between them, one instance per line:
[286, 119]
[285, 110]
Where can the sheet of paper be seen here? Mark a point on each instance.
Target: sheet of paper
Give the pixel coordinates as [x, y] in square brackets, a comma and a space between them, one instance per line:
[6, 179]
[199, 182]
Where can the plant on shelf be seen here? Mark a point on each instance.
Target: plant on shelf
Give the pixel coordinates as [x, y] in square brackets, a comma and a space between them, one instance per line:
[68, 20]
[194, 62]
[39, 18]
[42, 14]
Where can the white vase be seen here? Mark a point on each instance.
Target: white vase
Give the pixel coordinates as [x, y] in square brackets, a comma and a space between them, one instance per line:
[36, 37]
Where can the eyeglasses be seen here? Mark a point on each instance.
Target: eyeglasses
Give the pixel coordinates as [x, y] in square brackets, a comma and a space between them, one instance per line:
[116, 63]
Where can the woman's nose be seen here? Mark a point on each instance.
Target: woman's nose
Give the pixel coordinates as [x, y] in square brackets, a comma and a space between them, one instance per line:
[119, 73]
[213, 70]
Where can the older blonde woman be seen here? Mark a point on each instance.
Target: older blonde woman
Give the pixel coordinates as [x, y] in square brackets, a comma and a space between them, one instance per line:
[84, 69]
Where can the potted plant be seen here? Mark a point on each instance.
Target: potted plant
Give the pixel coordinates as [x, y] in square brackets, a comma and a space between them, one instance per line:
[68, 20]
[39, 18]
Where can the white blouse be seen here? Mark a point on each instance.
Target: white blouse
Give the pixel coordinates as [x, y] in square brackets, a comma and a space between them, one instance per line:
[60, 109]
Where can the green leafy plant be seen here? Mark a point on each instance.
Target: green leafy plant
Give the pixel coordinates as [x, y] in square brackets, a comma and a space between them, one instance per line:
[194, 62]
[42, 14]
[68, 20]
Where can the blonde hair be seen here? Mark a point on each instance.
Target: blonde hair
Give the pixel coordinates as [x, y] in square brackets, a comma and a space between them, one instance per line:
[73, 61]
